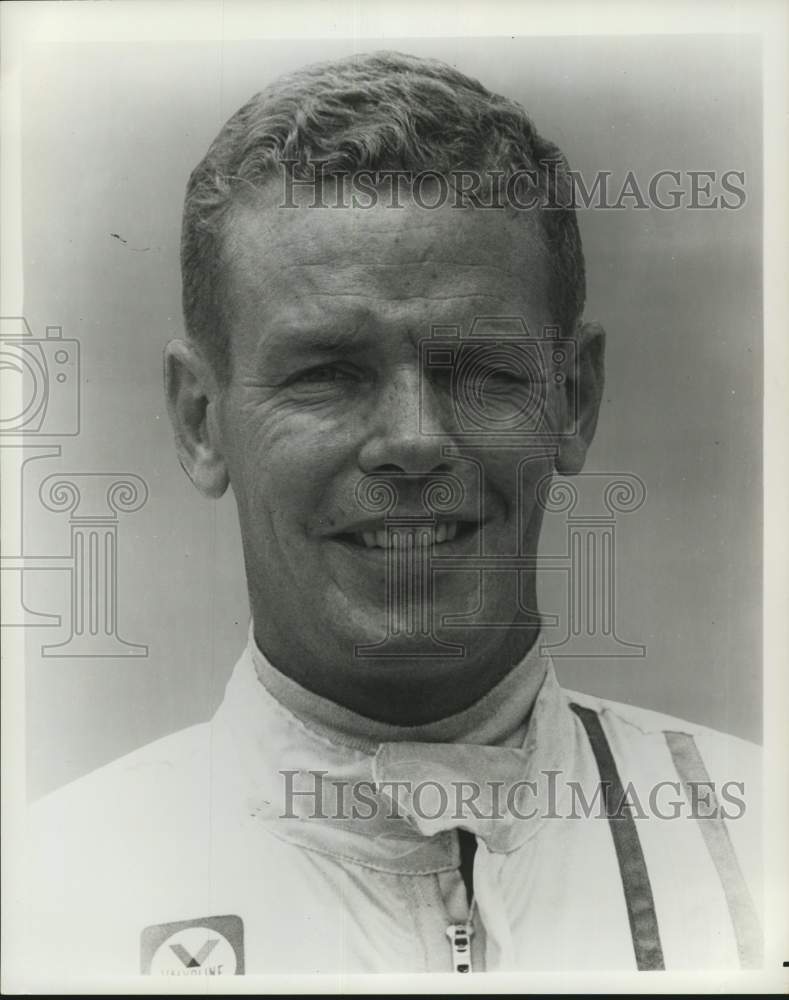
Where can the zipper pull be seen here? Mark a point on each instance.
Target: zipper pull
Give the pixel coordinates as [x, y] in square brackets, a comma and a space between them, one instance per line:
[460, 939]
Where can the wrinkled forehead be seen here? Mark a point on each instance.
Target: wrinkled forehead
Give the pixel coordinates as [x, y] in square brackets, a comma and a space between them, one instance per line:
[317, 251]
[288, 224]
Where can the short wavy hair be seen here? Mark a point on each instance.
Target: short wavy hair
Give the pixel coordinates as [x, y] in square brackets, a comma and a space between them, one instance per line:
[382, 111]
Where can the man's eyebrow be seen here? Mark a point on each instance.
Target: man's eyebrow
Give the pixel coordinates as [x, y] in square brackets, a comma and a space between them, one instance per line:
[292, 340]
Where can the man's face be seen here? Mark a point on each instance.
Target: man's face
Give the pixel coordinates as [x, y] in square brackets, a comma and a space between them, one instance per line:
[326, 309]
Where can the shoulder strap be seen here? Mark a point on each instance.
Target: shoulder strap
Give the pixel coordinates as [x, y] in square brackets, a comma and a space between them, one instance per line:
[745, 921]
[632, 866]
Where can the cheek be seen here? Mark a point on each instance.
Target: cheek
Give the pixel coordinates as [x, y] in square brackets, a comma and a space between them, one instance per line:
[279, 486]
[515, 476]
[283, 471]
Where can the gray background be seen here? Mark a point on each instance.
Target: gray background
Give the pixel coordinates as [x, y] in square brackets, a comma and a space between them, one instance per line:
[110, 134]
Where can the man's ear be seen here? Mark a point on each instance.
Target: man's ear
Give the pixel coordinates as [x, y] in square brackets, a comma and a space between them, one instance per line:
[192, 398]
[585, 382]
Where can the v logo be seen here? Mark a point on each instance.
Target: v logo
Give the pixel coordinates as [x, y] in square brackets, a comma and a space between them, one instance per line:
[206, 946]
[194, 961]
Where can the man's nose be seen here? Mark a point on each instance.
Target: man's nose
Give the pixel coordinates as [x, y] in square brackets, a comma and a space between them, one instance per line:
[408, 429]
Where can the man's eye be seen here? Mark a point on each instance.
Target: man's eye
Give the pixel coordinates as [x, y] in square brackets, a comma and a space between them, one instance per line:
[322, 375]
[505, 375]
[499, 374]
[494, 377]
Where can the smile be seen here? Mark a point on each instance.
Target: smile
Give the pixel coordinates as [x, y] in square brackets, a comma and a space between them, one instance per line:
[396, 538]
[400, 536]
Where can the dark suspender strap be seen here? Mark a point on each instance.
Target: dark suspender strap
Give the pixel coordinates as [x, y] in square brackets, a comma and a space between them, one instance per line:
[632, 867]
[468, 848]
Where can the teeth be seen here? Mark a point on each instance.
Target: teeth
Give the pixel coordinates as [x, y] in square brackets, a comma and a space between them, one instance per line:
[444, 532]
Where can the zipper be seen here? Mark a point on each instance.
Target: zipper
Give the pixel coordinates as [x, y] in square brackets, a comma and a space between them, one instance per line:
[460, 940]
[460, 935]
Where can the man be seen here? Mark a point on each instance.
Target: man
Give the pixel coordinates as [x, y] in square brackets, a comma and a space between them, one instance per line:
[386, 358]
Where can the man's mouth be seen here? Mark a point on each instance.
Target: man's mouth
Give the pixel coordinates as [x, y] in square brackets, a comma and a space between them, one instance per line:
[400, 536]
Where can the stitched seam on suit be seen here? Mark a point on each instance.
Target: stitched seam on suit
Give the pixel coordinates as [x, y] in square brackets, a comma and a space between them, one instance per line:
[430, 870]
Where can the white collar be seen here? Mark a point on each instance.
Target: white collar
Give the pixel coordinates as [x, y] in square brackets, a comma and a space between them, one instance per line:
[497, 719]
[272, 727]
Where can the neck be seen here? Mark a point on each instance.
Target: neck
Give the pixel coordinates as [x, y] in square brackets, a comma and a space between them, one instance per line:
[493, 719]
[408, 692]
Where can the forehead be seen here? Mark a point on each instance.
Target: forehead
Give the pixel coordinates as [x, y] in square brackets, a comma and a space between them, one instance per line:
[290, 267]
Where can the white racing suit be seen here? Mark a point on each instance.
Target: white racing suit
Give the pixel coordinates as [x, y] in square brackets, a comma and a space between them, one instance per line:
[290, 835]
